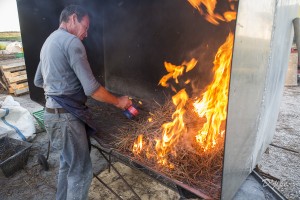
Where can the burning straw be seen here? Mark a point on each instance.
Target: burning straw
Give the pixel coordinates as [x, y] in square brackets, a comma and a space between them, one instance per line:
[192, 165]
[186, 142]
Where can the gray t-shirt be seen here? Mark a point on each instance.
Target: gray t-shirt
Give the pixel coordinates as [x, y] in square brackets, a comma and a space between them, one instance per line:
[64, 68]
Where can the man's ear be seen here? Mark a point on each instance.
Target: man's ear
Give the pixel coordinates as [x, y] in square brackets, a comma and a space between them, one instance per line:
[73, 18]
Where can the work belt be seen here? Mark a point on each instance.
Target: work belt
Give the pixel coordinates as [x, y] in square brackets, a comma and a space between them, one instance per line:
[56, 110]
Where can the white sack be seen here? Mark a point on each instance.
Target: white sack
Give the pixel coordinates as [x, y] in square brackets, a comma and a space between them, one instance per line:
[14, 47]
[18, 117]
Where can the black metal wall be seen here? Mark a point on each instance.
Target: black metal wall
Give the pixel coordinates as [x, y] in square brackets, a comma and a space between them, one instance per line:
[128, 41]
[39, 18]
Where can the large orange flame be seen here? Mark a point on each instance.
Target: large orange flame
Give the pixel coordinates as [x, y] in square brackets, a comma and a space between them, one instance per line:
[172, 131]
[210, 14]
[212, 104]
[214, 101]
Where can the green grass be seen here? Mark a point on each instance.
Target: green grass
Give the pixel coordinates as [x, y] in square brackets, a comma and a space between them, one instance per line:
[10, 36]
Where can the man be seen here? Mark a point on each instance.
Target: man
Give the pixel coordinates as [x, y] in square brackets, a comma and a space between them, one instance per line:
[67, 79]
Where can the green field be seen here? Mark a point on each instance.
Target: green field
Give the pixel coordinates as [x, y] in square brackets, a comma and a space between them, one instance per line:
[10, 36]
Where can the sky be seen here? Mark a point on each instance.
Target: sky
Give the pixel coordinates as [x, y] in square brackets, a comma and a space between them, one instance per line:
[9, 19]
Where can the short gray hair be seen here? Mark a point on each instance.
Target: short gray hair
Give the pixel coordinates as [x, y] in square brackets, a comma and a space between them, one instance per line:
[70, 10]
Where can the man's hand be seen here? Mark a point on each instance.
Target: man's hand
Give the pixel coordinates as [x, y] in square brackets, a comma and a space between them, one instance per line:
[123, 102]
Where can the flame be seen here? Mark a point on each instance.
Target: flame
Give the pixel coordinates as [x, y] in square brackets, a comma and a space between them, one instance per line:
[210, 14]
[229, 16]
[176, 71]
[138, 145]
[209, 4]
[214, 101]
[172, 131]
[190, 65]
[187, 82]
[211, 105]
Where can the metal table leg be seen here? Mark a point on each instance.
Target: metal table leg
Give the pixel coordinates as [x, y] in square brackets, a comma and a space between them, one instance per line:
[108, 159]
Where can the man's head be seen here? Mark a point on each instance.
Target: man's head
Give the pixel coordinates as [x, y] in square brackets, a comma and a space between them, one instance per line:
[75, 20]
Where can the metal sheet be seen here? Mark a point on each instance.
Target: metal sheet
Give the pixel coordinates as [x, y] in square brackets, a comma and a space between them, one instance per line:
[140, 36]
[38, 19]
[261, 49]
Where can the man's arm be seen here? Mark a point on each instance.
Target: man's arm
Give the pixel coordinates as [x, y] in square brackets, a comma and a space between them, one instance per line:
[38, 78]
[91, 87]
[101, 94]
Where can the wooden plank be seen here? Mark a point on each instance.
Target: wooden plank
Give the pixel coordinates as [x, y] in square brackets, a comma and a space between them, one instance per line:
[14, 69]
[5, 81]
[14, 74]
[3, 85]
[10, 61]
[11, 90]
[17, 79]
[21, 91]
[13, 66]
[19, 85]
[18, 89]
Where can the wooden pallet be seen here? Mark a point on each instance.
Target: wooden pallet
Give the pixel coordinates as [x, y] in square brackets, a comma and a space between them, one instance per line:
[14, 78]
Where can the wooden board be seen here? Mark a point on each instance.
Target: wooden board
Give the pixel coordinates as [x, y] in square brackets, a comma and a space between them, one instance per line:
[18, 88]
[14, 74]
[21, 91]
[13, 67]
[15, 77]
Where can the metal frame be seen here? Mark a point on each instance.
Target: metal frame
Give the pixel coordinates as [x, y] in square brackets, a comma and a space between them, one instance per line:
[268, 186]
[184, 190]
[108, 159]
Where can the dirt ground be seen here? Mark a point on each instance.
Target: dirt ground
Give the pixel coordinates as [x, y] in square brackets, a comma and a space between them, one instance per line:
[35, 183]
[280, 161]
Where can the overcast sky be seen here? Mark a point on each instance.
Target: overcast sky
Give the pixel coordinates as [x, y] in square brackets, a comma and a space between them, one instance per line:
[9, 20]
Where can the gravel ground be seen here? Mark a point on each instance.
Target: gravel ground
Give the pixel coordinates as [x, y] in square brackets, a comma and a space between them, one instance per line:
[282, 159]
[35, 183]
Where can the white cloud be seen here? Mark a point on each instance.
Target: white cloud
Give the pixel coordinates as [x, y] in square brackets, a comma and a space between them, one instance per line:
[9, 19]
